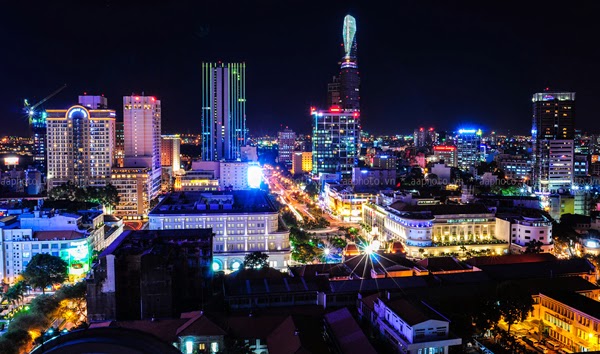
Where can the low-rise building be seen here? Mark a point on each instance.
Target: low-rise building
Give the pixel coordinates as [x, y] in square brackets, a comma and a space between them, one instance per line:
[243, 222]
[571, 319]
[344, 202]
[525, 230]
[438, 229]
[412, 327]
[71, 237]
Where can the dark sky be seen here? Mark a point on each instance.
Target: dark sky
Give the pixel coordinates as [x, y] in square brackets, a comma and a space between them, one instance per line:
[436, 63]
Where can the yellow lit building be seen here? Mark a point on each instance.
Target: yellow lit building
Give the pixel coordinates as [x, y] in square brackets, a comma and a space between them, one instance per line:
[570, 319]
[301, 162]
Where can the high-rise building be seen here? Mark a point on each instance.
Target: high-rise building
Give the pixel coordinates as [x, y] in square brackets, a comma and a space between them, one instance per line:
[142, 126]
[333, 92]
[446, 153]
[552, 134]
[223, 110]
[468, 143]
[301, 162]
[119, 144]
[170, 146]
[349, 79]
[424, 137]
[335, 141]
[80, 145]
[286, 141]
[38, 133]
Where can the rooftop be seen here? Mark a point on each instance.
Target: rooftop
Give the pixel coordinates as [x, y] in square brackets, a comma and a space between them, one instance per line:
[413, 312]
[58, 235]
[347, 334]
[246, 201]
[137, 241]
[577, 301]
[442, 209]
[444, 264]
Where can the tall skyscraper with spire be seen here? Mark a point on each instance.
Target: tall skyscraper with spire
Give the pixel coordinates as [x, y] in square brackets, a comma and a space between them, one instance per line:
[349, 79]
[336, 131]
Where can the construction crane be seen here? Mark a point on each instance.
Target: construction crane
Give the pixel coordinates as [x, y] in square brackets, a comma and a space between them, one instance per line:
[30, 110]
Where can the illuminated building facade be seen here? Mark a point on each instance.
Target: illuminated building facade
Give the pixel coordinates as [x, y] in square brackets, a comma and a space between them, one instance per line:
[301, 162]
[516, 167]
[446, 153]
[468, 153]
[38, 134]
[438, 229]
[81, 145]
[335, 141]
[142, 127]
[72, 237]
[552, 132]
[424, 137]
[134, 185]
[344, 203]
[170, 147]
[349, 79]
[286, 141]
[223, 110]
[242, 221]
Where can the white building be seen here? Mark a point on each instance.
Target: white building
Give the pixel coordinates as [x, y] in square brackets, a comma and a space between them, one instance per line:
[561, 160]
[524, 229]
[72, 237]
[242, 221]
[234, 175]
[80, 145]
[141, 128]
[412, 327]
[439, 229]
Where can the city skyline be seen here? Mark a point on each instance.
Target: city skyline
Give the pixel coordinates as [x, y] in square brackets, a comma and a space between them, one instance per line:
[444, 65]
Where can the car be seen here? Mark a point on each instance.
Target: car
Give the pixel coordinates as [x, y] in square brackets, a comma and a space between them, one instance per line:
[530, 340]
[552, 345]
[540, 348]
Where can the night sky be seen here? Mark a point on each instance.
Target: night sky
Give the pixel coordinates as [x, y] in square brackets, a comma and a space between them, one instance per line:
[445, 64]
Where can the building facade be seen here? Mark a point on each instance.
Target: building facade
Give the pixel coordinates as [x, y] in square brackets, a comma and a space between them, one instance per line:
[446, 153]
[553, 129]
[286, 141]
[223, 110]
[170, 155]
[242, 221]
[80, 146]
[335, 141]
[142, 127]
[135, 187]
[468, 151]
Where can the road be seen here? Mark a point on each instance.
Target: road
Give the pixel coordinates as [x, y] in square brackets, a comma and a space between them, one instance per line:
[286, 188]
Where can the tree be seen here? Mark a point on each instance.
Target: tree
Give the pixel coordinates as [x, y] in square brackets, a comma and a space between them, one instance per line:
[534, 246]
[304, 253]
[514, 303]
[44, 270]
[15, 293]
[256, 260]
[487, 315]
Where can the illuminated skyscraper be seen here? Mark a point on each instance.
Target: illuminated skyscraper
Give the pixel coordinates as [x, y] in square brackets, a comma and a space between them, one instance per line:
[468, 151]
[349, 79]
[335, 141]
[286, 141]
[141, 128]
[552, 132]
[80, 144]
[223, 110]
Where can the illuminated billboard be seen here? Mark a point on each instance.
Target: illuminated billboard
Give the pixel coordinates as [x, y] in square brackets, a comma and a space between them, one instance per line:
[254, 176]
